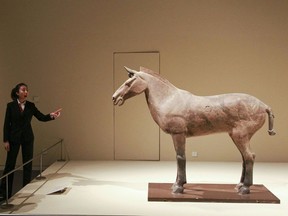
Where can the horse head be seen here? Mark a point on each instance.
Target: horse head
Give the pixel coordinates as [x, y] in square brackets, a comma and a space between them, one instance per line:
[134, 85]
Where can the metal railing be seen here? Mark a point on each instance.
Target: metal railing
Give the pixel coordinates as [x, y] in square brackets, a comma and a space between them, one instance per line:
[39, 177]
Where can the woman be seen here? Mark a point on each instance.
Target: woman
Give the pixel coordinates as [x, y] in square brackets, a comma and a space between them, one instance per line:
[18, 132]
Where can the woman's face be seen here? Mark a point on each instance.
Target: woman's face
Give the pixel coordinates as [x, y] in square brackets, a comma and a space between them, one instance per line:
[22, 93]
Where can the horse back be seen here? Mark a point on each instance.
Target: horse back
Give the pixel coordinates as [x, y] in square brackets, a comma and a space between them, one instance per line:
[213, 114]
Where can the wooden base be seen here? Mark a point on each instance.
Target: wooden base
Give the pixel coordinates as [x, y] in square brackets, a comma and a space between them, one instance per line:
[210, 193]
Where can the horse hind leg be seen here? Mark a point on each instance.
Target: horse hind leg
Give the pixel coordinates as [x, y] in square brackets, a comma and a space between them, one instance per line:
[240, 184]
[248, 158]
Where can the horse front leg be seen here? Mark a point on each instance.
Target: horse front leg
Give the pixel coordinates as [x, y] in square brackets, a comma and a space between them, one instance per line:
[179, 145]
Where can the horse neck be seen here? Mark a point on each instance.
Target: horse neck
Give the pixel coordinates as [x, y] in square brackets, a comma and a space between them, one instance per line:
[158, 91]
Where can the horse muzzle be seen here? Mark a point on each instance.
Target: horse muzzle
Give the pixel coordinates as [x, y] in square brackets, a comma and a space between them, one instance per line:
[118, 100]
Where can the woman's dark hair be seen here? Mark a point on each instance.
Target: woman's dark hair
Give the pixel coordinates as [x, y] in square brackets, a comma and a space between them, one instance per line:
[14, 91]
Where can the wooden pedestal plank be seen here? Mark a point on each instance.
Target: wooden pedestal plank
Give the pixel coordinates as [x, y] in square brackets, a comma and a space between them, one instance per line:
[224, 193]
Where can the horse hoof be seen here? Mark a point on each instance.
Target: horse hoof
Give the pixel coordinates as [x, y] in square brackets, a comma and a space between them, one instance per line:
[271, 132]
[176, 189]
[244, 190]
[238, 186]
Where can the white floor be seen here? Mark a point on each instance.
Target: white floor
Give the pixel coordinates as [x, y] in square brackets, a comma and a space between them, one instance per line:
[121, 188]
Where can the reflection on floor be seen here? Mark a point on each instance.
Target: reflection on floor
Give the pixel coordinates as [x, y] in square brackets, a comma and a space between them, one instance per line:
[121, 188]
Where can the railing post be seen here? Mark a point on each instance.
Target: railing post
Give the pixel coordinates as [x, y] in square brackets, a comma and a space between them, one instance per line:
[61, 151]
[7, 205]
[7, 187]
[40, 177]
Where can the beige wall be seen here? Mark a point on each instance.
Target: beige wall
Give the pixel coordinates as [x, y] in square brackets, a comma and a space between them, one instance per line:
[64, 51]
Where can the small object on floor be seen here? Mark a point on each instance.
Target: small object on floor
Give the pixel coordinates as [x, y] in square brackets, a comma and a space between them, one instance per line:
[57, 190]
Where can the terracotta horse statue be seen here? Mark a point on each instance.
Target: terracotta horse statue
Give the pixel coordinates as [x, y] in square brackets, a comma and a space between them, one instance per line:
[182, 114]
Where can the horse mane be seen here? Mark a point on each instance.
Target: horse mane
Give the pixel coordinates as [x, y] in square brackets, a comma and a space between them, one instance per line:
[152, 73]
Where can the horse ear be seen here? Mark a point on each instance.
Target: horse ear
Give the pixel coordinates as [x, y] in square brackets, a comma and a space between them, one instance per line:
[130, 70]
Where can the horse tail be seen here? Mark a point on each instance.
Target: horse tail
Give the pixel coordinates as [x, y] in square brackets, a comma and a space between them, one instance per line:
[271, 121]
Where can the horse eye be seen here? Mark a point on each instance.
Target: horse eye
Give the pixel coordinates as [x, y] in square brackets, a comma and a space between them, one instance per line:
[130, 75]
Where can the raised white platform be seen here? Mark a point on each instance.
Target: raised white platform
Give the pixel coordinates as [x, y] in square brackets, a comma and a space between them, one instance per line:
[121, 188]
